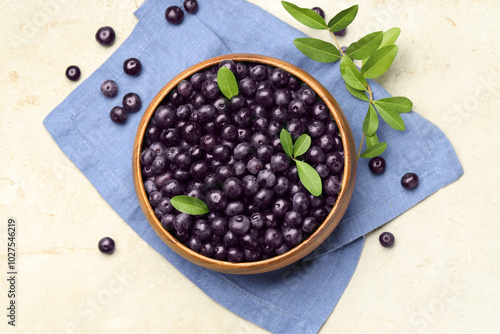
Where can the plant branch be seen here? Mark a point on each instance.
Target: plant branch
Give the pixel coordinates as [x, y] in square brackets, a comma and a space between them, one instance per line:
[337, 42]
[360, 146]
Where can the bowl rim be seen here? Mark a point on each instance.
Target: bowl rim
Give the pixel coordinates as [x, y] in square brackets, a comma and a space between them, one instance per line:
[307, 245]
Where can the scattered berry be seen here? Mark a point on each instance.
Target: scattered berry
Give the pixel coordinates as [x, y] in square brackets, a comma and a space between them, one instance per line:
[118, 115]
[132, 102]
[105, 36]
[340, 33]
[319, 11]
[377, 165]
[174, 15]
[409, 181]
[191, 6]
[106, 245]
[109, 88]
[132, 66]
[73, 73]
[386, 239]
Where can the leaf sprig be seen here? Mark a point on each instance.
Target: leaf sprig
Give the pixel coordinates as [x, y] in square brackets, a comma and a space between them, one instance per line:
[308, 176]
[376, 51]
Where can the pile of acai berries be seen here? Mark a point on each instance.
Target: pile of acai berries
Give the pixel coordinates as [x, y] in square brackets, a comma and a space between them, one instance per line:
[227, 152]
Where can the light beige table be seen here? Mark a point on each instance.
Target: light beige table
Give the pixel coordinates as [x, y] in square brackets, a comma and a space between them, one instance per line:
[442, 276]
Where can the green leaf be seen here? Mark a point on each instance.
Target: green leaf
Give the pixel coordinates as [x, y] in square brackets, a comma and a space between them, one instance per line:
[371, 140]
[399, 104]
[390, 116]
[189, 205]
[309, 178]
[305, 16]
[365, 46]
[370, 125]
[227, 82]
[351, 75]
[374, 151]
[360, 94]
[343, 19]
[379, 62]
[317, 49]
[286, 142]
[390, 37]
[301, 145]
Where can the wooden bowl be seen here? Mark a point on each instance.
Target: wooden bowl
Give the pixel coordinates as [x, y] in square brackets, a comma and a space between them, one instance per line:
[309, 244]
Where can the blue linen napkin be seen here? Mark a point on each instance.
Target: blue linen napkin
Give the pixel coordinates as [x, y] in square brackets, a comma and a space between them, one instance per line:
[296, 299]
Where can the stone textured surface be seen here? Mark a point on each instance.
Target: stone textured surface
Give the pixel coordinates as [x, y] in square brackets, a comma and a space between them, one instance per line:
[442, 275]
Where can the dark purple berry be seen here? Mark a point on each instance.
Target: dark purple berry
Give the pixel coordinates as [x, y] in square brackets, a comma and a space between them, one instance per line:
[258, 72]
[266, 179]
[280, 162]
[309, 224]
[233, 187]
[409, 181]
[320, 111]
[191, 132]
[235, 255]
[340, 33]
[105, 36]
[216, 200]
[306, 95]
[132, 66]
[210, 89]
[185, 88]
[331, 186]
[273, 238]
[191, 6]
[131, 102]
[106, 245]
[279, 78]
[300, 202]
[297, 108]
[280, 207]
[234, 208]
[250, 185]
[292, 236]
[174, 15]
[109, 88]
[118, 115]
[183, 222]
[239, 224]
[293, 219]
[315, 155]
[319, 11]
[335, 162]
[73, 73]
[282, 186]
[386, 239]
[377, 165]
[263, 198]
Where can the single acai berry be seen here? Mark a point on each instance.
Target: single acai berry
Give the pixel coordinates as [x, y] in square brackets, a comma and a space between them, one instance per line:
[106, 245]
[319, 11]
[73, 73]
[132, 66]
[377, 165]
[386, 239]
[191, 6]
[409, 181]
[109, 88]
[174, 15]
[118, 115]
[340, 33]
[131, 102]
[105, 36]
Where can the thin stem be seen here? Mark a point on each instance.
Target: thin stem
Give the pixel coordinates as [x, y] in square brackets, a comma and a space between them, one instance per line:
[369, 92]
[337, 42]
[360, 146]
